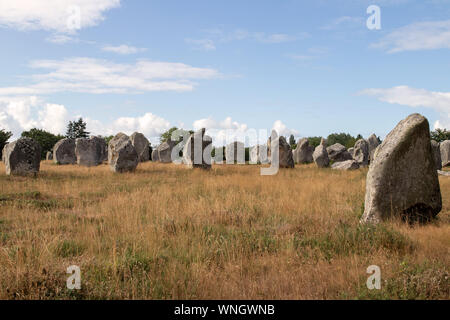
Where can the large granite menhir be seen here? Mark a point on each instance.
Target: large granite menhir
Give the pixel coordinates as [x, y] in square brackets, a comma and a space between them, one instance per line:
[122, 156]
[402, 178]
[64, 152]
[197, 150]
[90, 151]
[23, 157]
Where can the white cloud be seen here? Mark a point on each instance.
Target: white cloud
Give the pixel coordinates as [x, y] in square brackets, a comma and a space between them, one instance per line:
[412, 97]
[283, 130]
[54, 118]
[24, 113]
[100, 76]
[123, 49]
[222, 132]
[417, 36]
[53, 15]
[149, 124]
[18, 114]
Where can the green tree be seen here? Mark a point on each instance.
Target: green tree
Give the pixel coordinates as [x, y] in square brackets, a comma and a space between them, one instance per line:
[77, 129]
[440, 135]
[314, 141]
[46, 139]
[345, 139]
[292, 142]
[168, 134]
[4, 137]
[108, 139]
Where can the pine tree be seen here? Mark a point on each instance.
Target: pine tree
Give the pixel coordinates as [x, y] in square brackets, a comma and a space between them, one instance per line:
[77, 129]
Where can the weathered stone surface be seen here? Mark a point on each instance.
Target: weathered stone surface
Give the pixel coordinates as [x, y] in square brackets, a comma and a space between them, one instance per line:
[49, 156]
[373, 144]
[197, 150]
[122, 156]
[436, 147]
[155, 155]
[402, 179]
[64, 152]
[320, 155]
[258, 154]
[235, 153]
[142, 146]
[90, 151]
[345, 165]
[351, 151]
[285, 157]
[165, 151]
[4, 153]
[23, 157]
[337, 152]
[304, 152]
[445, 152]
[361, 152]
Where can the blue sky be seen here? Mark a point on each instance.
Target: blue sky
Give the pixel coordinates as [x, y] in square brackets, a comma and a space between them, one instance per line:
[301, 67]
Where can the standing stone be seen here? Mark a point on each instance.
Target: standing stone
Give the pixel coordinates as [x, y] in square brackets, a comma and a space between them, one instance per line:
[320, 155]
[122, 156]
[142, 146]
[402, 180]
[165, 151]
[49, 156]
[235, 153]
[23, 157]
[286, 159]
[155, 155]
[373, 144]
[337, 152]
[64, 152]
[445, 153]
[345, 165]
[197, 150]
[435, 146]
[351, 151]
[4, 153]
[361, 152]
[89, 151]
[304, 152]
[258, 154]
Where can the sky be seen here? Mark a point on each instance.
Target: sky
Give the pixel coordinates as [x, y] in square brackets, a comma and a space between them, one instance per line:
[308, 68]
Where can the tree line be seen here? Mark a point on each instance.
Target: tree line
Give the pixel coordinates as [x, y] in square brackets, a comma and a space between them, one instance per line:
[77, 129]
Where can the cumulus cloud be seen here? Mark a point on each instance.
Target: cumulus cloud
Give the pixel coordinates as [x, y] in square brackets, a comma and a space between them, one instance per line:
[283, 130]
[96, 76]
[417, 36]
[123, 49]
[225, 131]
[53, 15]
[412, 97]
[149, 124]
[18, 114]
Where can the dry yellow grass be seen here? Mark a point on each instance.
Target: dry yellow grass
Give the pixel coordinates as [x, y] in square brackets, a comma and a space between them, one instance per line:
[165, 232]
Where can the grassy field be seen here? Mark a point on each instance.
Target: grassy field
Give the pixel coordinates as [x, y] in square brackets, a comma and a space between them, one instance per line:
[165, 232]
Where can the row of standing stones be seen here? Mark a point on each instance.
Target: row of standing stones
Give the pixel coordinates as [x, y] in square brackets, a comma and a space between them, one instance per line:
[402, 177]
